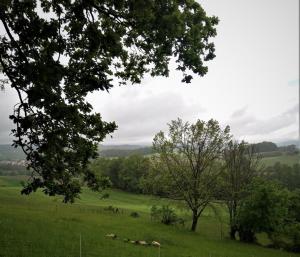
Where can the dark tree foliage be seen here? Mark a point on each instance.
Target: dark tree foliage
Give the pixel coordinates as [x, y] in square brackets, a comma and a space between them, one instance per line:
[56, 52]
[265, 147]
[263, 210]
[241, 166]
[124, 173]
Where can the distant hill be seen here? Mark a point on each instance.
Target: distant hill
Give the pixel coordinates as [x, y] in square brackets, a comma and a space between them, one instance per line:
[289, 142]
[267, 149]
[288, 159]
[270, 147]
[9, 153]
[123, 152]
[121, 147]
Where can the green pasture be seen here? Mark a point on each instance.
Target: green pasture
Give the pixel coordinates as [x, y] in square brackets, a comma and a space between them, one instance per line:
[41, 226]
[284, 159]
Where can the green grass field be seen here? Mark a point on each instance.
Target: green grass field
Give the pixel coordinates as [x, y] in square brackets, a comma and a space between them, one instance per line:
[41, 226]
[284, 159]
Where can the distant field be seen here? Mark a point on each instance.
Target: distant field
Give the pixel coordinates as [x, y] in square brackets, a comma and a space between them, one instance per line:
[285, 159]
[36, 225]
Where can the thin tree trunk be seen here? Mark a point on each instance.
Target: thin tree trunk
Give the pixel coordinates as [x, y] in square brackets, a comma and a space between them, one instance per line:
[232, 232]
[195, 221]
[232, 217]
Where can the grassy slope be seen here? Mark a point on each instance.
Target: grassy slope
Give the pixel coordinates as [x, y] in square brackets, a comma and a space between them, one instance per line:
[38, 226]
[285, 159]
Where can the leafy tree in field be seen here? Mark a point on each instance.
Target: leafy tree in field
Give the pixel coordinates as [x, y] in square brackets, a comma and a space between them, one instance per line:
[187, 162]
[54, 53]
[263, 210]
[241, 166]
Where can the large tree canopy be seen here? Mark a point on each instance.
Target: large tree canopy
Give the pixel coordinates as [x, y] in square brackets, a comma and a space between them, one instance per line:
[56, 52]
[188, 162]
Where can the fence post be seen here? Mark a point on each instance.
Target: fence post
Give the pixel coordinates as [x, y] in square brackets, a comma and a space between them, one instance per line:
[80, 245]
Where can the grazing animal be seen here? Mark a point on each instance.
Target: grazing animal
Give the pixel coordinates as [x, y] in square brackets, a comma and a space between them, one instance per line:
[142, 242]
[113, 236]
[155, 243]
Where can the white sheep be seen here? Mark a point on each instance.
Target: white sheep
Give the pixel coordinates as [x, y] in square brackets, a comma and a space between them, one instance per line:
[155, 243]
[113, 236]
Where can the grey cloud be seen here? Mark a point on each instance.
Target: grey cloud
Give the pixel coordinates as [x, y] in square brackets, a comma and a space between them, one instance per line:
[255, 72]
[239, 112]
[141, 117]
[248, 125]
[7, 100]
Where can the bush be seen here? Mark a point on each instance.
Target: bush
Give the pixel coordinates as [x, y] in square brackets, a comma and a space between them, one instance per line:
[104, 196]
[168, 215]
[155, 212]
[165, 214]
[292, 232]
[134, 214]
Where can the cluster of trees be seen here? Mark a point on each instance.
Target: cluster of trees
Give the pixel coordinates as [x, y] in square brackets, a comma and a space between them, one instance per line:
[270, 208]
[125, 152]
[124, 173]
[201, 163]
[267, 148]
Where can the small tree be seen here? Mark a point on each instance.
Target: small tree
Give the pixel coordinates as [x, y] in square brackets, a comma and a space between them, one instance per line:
[241, 165]
[187, 162]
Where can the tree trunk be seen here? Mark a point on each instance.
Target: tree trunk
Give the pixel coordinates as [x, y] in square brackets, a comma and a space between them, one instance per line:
[195, 221]
[247, 235]
[232, 232]
[232, 219]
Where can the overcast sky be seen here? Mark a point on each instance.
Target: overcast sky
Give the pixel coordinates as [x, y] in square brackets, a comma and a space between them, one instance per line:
[252, 84]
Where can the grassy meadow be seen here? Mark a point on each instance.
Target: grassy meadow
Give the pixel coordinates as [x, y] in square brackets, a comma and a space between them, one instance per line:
[37, 225]
[283, 159]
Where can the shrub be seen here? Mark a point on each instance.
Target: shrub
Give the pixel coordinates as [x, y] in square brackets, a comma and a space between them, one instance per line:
[104, 196]
[155, 212]
[134, 214]
[168, 215]
[165, 214]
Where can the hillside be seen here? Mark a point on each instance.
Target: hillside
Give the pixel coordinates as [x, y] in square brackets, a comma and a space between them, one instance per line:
[284, 159]
[37, 225]
[280, 154]
[125, 152]
[7, 152]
